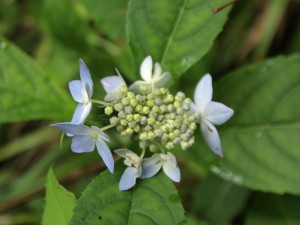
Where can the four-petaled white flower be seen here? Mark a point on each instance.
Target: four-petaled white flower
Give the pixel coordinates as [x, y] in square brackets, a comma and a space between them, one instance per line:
[152, 79]
[84, 139]
[150, 166]
[113, 85]
[82, 91]
[134, 170]
[211, 113]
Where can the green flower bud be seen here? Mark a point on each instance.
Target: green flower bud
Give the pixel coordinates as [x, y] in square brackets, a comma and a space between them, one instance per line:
[129, 117]
[193, 126]
[177, 104]
[150, 103]
[130, 95]
[120, 128]
[143, 136]
[123, 89]
[118, 107]
[152, 148]
[125, 101]
[144, 89]
[151, 121]
[169, 145]
[158, 101]
[133, 102]
[137, 117]
[129, 131]
[146, 110]
[184, 145]
[156, 109]
[123, 122]
[139, 108]
[113, 120]
[172, 136]
[137, 128]
[108, 110]
[150, 135]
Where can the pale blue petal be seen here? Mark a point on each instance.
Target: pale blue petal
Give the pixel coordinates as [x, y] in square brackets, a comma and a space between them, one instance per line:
[146, 69]
[123, 152]
[105, 154]
[151, 166]
[203, 92]
[112, 82]
[81, 113]
[171, 169]
[128, 178]
[217, 113]
[82, 143]
[73, 129]
[86, 79]
[211, 137]
[75, 89]
[103, 135]
[136, 86]
[162, 80]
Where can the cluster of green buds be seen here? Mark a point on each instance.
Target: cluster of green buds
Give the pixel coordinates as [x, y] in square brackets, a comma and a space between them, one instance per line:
[156, 118]
[149, 112]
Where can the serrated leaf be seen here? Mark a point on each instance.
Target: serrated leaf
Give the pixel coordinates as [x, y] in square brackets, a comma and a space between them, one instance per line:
[275, 210]
[175, 33]
[59, 202]
[26, 92]
[151, 201]
[261, 142]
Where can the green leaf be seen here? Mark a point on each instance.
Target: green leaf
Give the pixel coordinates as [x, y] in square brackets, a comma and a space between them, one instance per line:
[109, 16]
[219, 201]
[275, 210]
[175, 33]
[261, 142]
[151, 201]
[59, 202]
[26, 92]
[68, 25]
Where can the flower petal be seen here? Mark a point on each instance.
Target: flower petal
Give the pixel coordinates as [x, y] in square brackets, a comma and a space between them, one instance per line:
[113, 95]
[112, 82]
[74, 129]
[136, 86]
[128, 178]
[101, 134]
[211, 137]
[162, 80]
[171, 169]
[203, 92]
[81, 113]
[217, 113]
[105, 154]
[151, 166]
[146, 69]
[123, 152]
[85, 77]
[157, 71]
[76, 90]
[82, 143]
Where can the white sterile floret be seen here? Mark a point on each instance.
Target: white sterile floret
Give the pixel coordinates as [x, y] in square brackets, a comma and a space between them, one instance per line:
[150, 166]
[151, 79]
[210, 113]
[82, 91]
[134, 170]
[113, 86]
[84, 139]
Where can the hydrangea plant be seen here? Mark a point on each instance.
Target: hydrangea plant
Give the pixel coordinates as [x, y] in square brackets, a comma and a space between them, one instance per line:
[148, 111]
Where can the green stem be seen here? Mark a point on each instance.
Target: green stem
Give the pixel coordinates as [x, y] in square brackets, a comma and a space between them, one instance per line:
[100, 102]
[107, 127]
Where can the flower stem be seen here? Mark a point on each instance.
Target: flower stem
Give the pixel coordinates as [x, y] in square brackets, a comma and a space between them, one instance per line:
[143, 153]
[107, 127]
[100, 102]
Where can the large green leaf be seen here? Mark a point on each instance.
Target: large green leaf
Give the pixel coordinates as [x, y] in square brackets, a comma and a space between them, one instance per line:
[109, 16]
[261, 142]
[59, 203]
[175, 33]
[151, 201]
[275, 210]
[219, 201]
[26, 92]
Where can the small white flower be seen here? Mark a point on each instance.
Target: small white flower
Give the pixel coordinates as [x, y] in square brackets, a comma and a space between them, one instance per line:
[113, 85]
[82, 91]
[211, 113]
[150, 166]
[151, 79]
[134, 170]
[84, 139]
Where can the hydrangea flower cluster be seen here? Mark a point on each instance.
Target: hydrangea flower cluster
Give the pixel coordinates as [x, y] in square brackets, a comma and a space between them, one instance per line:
[149, 112]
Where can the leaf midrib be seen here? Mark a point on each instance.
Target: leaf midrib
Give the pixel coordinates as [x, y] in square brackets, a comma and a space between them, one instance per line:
[174, 29]
[260, 126]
